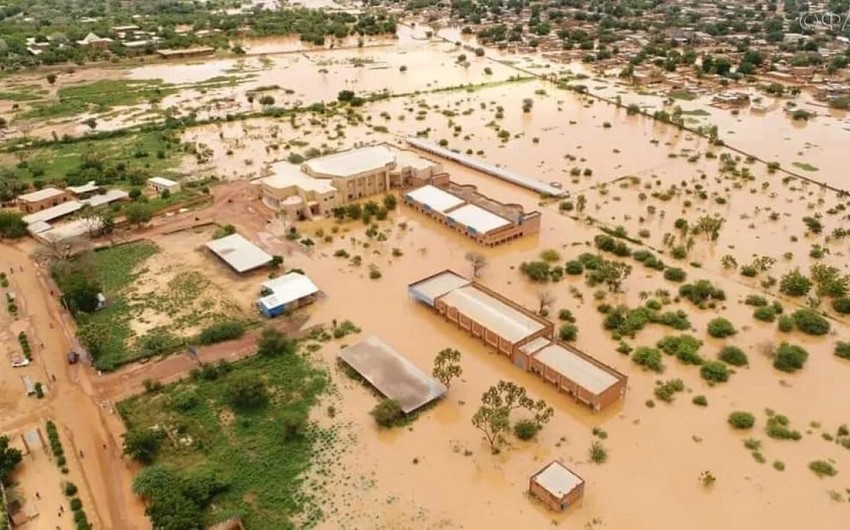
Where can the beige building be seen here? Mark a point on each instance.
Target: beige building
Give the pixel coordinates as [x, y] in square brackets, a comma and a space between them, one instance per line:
[318, 186]
[42, 199]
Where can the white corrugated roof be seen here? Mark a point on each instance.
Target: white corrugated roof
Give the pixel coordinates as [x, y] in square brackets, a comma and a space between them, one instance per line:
[106, 198]
[352, 162]
[576, 368]
[85, 188]
[492, 313]
[239, 253]
[40, 195]
[477, 218]
[557, 479]
[435, 198]
[288, 288]
[162, 181]
[286, 175]
[55, 212]
[438, 285]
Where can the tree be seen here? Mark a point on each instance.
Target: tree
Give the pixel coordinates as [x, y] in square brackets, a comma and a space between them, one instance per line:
[273, 343]
[493, 422]
[545, 299]
[9, 459]
[478, 261]
[12, 225]
[277, 261]
[345, 96]
[142, 445]
[51, 78]
[613, 274]
[94, 335]
[390, 202]
[387, 413]
[741, 420]
[710, 226]
[527, 104]
[447, 366]
[79, 286]
[810, 322]
[138, 213]
[91, 123]
[789, 357]
[720, 328]
[244, 391]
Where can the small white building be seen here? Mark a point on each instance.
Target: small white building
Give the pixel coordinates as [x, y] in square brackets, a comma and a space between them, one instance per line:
[160, 184]
[239, 253]
[285, 293]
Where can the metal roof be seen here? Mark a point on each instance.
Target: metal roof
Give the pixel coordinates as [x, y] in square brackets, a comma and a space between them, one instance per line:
[477, 218]
[576, 368]
[287, 289]
[85, 188]
[60, 210]
[557, 479]
[162, 181]
[239, 253]
[431, 288]
[352, 162]
[435, 198]
[393, 375]
[508, 322]
[105, 198]
[41, 195]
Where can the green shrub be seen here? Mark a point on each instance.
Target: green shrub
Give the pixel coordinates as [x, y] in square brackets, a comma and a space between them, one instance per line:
[789, 357]
[842, 349]
[221, 331]
[700, 401]
[566, 315]
[777, 428]
[714, 371]
[733, 355]
[387, 413]
[720, 328]
[76, 504]
[666, 391]
[684, 347]
[765, 314]
[525, 429]
[779, 465]
[701, 292]
[674, 274]
[822, 468]
[795, 283]
[741, 420]
[70, 489]
[598, 453]
[810, 322]
[785, 324]
[755, 300]
[574, 268]
[568, 332]
[842, 305]
[648, 358]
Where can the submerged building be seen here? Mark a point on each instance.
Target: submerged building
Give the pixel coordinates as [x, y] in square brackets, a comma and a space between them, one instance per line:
[522, 336]
[556, 486]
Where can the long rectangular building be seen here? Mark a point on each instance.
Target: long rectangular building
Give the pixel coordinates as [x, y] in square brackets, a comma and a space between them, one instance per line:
[527, 339]
[465, 210]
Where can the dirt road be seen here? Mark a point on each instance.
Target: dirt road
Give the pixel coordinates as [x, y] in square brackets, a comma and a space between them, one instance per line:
[69, 401]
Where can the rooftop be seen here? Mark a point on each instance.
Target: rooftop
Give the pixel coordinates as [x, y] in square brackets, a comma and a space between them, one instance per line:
[287, 288]
[41, 195]
[88, 187]
[162, 181]
[393, 375]
[478, 218]
[435, 198]
[286, 175]
[438, 285]
[557, 479]
[576, 368]
[239, 253]
[510, 323]
[352, 162]
[60, 210]
[105, 198]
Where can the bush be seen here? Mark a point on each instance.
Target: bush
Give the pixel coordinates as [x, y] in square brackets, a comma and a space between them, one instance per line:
[684, 347]
[598, 453]
[734, 356]
[810, 322]
[795, 283]
[574, 268]
[525, 429]
[674, 274]
[666, 391]
[387, 413]
[568, 332]
[70, 489]
[720, 328]
[789, 357]
[566, 315]
[842, 305]
[765, 314]
[785, 324]
[701, 292]
[714, 371]
[842, 349]
[741, 420]
[755, 300]
[648, 358]
[822, 468]
[221, 331]
[777, 428]
[700, 401]
[76, 504]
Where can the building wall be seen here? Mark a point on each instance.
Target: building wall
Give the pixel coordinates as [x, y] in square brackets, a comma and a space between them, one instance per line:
[37, 206]
[557, 504]
[159, 188]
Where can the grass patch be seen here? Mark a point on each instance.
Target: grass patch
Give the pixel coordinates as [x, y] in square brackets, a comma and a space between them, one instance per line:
[260, 453]
[100, 96]
[18, 96]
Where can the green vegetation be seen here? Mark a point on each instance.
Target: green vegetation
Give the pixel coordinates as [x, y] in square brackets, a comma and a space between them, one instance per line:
[720, 328]
[789, 357]
[685, 347]
[221, 331]
[805, 166]
[493, 415]
[525, 429]
[714, 372]
[822, 468]
[9, 460]
[56, 445]
[701, 293]
[249, 460]
[777, 428]
[810, 322]
[733, 355]
[795, 283]
[447, 366]
[741, 420]
[649, 358]
[667, 390]
[597, 452]
[700, 401]
[387, 413]
[568, 332]
[625, 322]
[842, 349]
[12, 225]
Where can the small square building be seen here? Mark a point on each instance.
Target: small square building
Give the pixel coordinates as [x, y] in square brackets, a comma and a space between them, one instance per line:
[556, 486]
[160, 184]
[42, 199]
